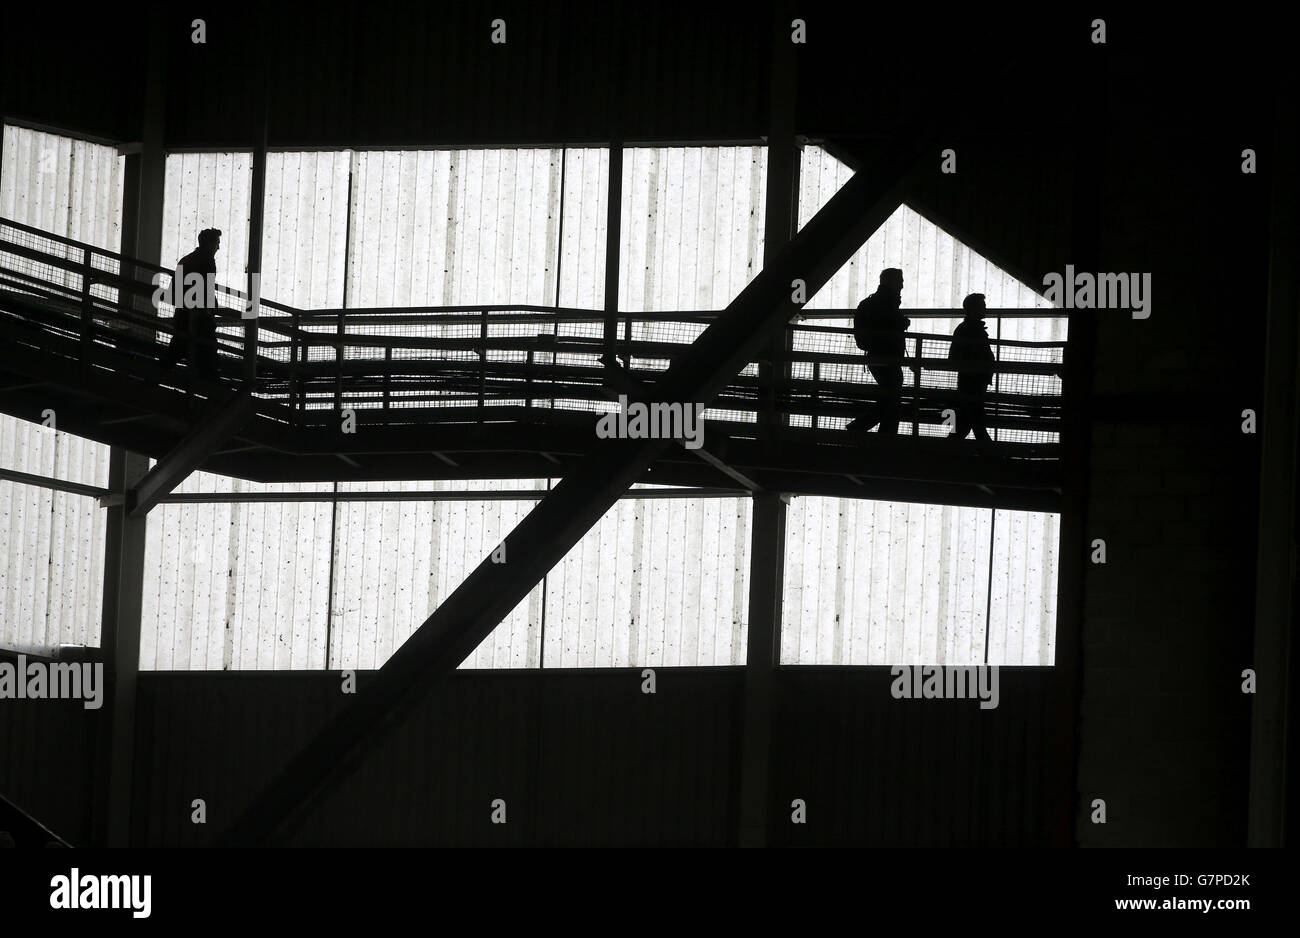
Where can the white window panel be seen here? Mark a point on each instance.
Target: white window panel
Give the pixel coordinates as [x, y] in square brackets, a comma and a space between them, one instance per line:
[657, 582]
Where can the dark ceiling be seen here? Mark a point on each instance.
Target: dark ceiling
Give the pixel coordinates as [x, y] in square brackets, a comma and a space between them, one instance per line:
[410, 74]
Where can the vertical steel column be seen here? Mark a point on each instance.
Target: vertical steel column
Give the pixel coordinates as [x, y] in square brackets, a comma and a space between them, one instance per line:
[257, 207]
[1076, 452]
[762, 655]
[613, 244]
[153, 154]
[779, 228]
[767, 544]
[142, 222]
[257, 203]
[120, 644]
[347, 273]
[127, 298]
[1276, 570]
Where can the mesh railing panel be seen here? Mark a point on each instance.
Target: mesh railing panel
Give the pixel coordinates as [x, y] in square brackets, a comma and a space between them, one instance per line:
[513, 358]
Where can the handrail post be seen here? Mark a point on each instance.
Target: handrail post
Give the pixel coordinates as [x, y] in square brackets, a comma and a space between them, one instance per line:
[87, 321]
[916, 386]
[295, 383]
[338, 366]
[388, 373]
[528, 381]
[816, 397]
[997, 360]
[482, 359]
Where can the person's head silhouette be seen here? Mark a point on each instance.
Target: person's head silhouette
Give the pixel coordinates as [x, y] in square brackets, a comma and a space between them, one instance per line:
[210, 241]
[974, 306]
[891, 280]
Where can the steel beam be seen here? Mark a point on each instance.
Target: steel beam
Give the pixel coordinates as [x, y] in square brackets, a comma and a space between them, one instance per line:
[620, 379]
[58, 485]
[729, 471]
[25, 830]
[561, 519]
[1062, 777]
[431, 495]
[222, 418]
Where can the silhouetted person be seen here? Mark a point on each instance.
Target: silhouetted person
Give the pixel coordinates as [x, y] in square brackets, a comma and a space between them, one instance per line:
[878, 328]
[971, 349]
[194, 296]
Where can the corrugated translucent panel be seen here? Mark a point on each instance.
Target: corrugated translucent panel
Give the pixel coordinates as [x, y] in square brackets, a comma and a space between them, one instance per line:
[582, 242]
[65, 186]
[31, 447]
[52, 544]
[247, 585]
[237, 585]
[208, 190]
[876, 583]
[657, 582]
[937, 269]
[305, 228]
[51, 568]
[881, 583]
[454, 227]
[396, 562]
[1022, 628]
[692, 226]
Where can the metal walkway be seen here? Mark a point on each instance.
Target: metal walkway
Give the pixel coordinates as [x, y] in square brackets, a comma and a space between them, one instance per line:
[494, 392]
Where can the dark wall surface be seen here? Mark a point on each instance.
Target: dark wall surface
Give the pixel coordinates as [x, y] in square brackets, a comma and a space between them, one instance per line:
[47, 767]
[585, 759]
[580, 758]
[81, 69]
[1174, 489]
